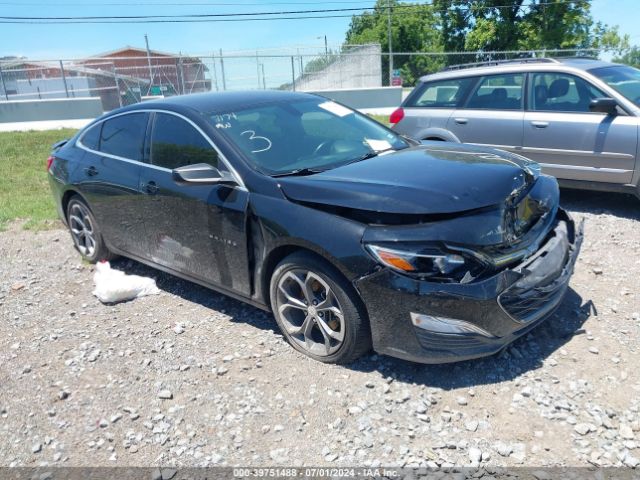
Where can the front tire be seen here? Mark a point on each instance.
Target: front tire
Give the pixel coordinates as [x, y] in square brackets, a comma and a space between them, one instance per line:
[85, 232]
[318, 311]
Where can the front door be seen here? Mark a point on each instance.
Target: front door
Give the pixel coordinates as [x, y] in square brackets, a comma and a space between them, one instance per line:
[568, 140]
[198, 230]
[493, 113]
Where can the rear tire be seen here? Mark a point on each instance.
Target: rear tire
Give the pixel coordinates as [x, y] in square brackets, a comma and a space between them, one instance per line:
[85, 232]
[318, 311]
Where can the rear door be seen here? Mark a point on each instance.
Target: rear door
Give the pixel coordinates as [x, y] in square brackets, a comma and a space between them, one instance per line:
[571, 142]
[428, 108]
[493, 113]
[199, 230]
[109, 178]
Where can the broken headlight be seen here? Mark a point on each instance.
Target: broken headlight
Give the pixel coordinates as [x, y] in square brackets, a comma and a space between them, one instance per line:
[429, 263]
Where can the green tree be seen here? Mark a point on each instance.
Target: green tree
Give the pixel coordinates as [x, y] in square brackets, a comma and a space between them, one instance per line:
[631, 57]
[414, 28]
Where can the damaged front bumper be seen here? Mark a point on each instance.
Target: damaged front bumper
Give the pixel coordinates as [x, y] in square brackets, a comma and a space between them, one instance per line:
[432, 322]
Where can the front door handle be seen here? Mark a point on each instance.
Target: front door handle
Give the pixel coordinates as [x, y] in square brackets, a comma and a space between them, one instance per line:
[461, 121]
[91, 171]
[539, 124]
[151, 188]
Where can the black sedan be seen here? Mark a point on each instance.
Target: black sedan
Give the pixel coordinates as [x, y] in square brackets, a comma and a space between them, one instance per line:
[353, 236]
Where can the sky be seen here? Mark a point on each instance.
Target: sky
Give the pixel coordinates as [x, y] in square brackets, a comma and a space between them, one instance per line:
[74, 41]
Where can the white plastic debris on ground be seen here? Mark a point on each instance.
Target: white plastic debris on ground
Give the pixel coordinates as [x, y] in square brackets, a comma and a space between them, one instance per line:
[116, 286]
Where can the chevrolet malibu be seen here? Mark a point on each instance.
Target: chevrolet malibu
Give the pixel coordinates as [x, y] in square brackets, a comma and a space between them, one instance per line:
[352, 235]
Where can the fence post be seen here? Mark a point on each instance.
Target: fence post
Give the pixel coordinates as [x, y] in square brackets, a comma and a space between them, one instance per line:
[215, 73]
[224, 80]
[258, 69]
[181, 73]
[115, 78]
[64, 79]
[4, 87]
[293, 74]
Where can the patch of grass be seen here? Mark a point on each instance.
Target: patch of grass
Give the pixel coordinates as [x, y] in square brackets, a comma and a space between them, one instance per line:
[383, 119]
[24, 188]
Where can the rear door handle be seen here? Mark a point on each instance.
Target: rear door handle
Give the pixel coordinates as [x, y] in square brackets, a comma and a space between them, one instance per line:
[539, 124]
[461, 121]
[91, 171]
[151, 188]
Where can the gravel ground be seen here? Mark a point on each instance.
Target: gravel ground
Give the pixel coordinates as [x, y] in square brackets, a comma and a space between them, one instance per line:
[192, 378]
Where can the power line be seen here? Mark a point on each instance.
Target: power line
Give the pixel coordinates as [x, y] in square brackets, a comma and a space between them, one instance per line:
[197, 18]
[173, 4]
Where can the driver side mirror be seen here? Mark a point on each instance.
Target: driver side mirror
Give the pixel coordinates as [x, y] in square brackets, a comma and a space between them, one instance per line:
[201, 174]
[604, 105]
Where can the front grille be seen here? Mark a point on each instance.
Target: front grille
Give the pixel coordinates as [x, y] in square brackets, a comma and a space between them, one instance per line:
[530, 305]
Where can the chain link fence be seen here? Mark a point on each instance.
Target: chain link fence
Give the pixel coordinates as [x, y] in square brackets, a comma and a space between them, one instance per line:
[134, 75]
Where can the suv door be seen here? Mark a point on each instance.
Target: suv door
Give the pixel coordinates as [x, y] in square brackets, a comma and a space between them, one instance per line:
[109, 178]
[571, 142]
[428, 108]
[198, 230]
[493, 113]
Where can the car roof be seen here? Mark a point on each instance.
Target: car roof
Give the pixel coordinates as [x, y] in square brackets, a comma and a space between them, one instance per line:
[516, 65]
[212, 102]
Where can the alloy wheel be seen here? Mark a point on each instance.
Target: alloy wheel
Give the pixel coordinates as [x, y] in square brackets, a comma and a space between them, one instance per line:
[310, 312]
[82, 229]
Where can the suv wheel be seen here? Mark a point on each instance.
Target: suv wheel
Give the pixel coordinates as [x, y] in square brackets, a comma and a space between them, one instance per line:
[85, 232]
[318, 311]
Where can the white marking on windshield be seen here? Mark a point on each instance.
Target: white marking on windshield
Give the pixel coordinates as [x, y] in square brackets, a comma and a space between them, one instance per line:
[253, 136]
[378, 145]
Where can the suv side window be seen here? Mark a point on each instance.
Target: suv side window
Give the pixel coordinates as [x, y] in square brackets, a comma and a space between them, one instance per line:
[442, 93]
[561, 92]
[175, 143]
[498, 92]
[123, 135]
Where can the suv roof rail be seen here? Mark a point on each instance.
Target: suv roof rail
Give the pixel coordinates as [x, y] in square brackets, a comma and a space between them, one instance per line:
[488, 63]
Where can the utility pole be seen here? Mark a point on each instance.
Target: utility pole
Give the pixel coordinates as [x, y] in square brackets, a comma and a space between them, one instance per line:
[390, 46]
[326, 50]
[146, 41]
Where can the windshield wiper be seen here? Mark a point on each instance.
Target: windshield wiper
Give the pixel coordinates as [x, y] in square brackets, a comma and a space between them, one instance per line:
[298, 173]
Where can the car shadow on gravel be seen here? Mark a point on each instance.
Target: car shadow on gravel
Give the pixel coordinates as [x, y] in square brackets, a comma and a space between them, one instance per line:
[237, 311]
[617, 204]
[525, 354]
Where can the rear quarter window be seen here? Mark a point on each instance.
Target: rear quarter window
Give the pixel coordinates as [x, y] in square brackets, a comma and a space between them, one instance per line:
[91, 138]
[123, 136]
[441, 94]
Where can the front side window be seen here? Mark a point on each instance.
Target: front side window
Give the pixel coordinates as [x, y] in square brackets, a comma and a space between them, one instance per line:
[622, 78]
[175, 143]
[123, 135]
[561, 92]
[442, 94]
[283, 137]
[498, 92]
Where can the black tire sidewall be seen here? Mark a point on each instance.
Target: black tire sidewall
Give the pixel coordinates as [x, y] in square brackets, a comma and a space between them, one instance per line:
[357, 338]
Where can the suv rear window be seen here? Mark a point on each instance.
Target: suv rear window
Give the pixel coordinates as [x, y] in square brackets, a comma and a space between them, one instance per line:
[498, 92]
[441, 94]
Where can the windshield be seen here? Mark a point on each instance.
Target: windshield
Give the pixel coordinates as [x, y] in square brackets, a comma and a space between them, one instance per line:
[304, 136]
[624, 79]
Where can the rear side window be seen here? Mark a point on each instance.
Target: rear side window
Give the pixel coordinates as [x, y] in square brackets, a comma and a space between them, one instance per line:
[175, 143]
[441, 94]
[498, 92]
[91, 138]
[124, 135]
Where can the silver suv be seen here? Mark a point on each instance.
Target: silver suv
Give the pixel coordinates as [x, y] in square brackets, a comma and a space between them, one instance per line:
[579, 118]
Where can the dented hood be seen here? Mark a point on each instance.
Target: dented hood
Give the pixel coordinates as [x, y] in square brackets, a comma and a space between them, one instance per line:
[436, 179]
